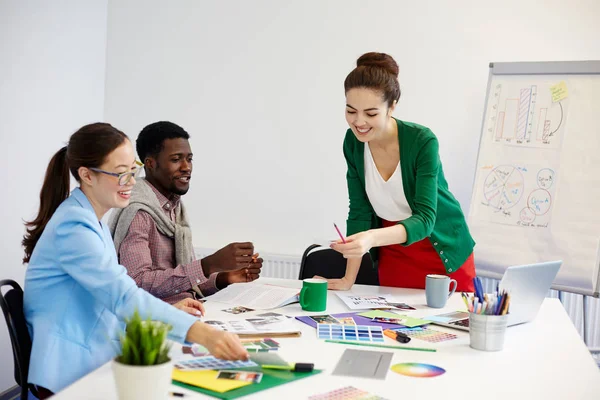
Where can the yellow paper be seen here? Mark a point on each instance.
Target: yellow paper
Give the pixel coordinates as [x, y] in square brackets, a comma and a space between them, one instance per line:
[207, 379]
[559, 91]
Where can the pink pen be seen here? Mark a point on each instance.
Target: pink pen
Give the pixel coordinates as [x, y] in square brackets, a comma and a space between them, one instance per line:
[339, 233]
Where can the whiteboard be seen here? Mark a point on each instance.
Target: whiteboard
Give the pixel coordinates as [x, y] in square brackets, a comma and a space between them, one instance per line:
[536, 193]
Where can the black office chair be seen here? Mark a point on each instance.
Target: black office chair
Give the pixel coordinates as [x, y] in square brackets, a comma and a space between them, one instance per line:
[330, 264]
[12, 307]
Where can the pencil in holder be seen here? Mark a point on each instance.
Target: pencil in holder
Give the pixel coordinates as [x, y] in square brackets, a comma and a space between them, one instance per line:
[487, 331]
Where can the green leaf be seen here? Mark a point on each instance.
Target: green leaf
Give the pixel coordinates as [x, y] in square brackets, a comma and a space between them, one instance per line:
[144, 342]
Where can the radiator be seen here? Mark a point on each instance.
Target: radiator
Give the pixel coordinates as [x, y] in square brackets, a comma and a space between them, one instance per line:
[288, 267]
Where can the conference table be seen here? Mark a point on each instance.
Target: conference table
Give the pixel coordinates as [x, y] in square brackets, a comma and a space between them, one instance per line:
[543, 359]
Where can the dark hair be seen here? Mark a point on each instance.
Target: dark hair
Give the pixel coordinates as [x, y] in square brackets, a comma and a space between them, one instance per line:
[376, 71]
[150, 140]
[88, 147]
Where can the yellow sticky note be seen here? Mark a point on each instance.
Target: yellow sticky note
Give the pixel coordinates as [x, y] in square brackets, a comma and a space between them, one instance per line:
[559, 91]
[207, 379]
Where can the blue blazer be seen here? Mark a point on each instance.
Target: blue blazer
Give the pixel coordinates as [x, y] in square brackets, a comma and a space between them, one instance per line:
[77, 295]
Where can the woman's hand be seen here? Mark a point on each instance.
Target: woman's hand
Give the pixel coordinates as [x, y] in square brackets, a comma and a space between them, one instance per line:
[356, 245]
[344, 283]
[191, 306]
[220, 344]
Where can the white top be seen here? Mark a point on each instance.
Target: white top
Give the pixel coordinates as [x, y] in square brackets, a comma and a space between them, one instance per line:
[386, 197]
[527, 368]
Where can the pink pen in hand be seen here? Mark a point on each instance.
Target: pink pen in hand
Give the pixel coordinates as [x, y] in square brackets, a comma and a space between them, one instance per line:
[339, 233]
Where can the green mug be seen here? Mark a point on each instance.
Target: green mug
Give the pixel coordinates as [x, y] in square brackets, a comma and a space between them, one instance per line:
[313, 296]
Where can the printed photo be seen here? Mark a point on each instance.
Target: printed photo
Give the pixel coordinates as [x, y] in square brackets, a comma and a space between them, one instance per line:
[401, 306]
[238, 310]
[324, 319]
[347, 321]
[254, 377]
[397, 321]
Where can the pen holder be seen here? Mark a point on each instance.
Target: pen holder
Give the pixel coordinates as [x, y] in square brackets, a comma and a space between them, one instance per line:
[487, 331]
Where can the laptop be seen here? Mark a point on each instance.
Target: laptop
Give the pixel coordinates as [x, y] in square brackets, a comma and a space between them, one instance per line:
[527, 285]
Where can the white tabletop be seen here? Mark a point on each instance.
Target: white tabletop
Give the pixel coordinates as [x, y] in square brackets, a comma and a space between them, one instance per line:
[544, 359]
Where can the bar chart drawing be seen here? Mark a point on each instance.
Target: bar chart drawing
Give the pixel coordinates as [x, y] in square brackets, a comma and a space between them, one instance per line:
[524, 115]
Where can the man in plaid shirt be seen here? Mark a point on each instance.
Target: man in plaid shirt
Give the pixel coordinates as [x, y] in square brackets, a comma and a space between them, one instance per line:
[149, 254]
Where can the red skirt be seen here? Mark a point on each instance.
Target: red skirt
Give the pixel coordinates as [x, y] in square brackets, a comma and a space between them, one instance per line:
[407, 266]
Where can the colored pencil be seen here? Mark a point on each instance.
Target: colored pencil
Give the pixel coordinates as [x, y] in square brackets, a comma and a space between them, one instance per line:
[339, 233]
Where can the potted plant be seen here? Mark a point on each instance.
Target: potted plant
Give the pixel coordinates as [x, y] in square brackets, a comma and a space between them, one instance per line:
[143, 368]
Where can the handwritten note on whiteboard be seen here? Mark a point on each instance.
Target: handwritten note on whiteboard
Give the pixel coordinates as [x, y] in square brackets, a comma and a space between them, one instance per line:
[559, 91]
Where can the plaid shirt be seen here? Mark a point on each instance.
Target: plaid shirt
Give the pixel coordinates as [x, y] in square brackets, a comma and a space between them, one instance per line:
[149, 257]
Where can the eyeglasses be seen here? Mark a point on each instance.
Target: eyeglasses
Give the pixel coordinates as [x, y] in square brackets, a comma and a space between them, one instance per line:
[125, 177]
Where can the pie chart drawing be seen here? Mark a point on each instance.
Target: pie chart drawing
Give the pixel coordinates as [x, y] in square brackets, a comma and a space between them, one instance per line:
[504, 187]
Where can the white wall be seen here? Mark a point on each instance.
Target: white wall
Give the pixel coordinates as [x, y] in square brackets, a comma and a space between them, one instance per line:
[259, 86]
[52, 64]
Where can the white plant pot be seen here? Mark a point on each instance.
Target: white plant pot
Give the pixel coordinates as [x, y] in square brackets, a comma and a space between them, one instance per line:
[148, 382]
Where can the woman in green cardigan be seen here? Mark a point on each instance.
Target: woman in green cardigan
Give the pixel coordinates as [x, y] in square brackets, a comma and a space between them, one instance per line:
[400, 204]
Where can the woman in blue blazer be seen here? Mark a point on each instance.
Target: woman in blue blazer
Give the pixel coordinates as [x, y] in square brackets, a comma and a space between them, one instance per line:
[76, 293]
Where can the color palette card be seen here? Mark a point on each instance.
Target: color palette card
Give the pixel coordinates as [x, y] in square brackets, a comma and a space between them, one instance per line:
[360, 333]
[429, 335]
[346, 393]
[201, 363]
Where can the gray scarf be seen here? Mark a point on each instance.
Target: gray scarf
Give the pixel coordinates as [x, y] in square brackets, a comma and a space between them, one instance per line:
[144, 198]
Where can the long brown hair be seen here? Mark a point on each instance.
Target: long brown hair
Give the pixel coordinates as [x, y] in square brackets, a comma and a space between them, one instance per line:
[88, 147]
[376, 71]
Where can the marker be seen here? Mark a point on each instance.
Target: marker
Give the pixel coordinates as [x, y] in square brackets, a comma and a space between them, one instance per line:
[402, 338]
[297, 367]
[339, 233]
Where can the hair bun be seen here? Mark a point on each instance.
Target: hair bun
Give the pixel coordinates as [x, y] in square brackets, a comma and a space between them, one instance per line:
[378, 60]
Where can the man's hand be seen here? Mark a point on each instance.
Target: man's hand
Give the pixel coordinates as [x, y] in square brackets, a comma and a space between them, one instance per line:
[232, 257]
[190, 306]
[248, 274]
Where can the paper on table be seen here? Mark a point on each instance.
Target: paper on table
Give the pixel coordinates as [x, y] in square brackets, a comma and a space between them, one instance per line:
[403, 319]
[207, 379]
[256, 296]
[266, 325]
[362, 302]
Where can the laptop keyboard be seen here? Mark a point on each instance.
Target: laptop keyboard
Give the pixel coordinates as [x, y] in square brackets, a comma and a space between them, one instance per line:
[460, 322]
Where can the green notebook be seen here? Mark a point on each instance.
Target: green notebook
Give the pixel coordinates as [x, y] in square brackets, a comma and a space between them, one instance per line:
[271, 378]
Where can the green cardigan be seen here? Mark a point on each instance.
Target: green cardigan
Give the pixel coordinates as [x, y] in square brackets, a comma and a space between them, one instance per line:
[436, 214]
